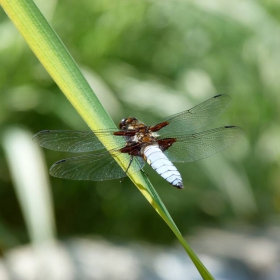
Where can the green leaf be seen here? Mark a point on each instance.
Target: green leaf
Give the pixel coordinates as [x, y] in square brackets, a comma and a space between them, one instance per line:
[60, 65]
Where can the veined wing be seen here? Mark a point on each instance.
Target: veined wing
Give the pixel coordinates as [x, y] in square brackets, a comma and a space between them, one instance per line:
[94, 167]
[75, 141]
[204, 144]
[195, 118]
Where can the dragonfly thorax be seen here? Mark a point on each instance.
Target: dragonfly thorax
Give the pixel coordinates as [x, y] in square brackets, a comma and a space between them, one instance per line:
[137, 132]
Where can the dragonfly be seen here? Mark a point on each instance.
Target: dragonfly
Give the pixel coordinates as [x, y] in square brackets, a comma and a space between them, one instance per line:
[173, 139]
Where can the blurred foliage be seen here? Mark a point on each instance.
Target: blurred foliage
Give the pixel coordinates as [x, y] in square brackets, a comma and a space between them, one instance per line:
[150, 59]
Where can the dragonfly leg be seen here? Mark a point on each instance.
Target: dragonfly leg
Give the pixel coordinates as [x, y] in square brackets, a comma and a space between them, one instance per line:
[130, 161]
[142, 170]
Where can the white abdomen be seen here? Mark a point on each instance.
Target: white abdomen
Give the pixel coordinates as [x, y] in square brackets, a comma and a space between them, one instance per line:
[162, 165]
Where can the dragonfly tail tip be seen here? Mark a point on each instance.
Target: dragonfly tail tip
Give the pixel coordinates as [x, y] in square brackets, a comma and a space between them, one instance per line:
[179, 186]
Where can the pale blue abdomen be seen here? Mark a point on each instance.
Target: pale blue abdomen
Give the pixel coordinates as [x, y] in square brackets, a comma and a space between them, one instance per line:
[162, 165]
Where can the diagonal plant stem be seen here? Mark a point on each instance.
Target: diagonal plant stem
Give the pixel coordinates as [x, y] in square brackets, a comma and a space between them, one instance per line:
[60, 65]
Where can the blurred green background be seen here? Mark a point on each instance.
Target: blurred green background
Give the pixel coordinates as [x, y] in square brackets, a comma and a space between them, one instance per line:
[150, 59]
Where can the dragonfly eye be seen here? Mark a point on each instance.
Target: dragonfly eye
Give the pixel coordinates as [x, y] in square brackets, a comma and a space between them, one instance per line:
[122, 123]
[125, 123]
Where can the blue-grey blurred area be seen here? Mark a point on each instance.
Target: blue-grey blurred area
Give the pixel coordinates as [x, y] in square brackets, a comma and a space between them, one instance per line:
[229, 255]
[150, 59]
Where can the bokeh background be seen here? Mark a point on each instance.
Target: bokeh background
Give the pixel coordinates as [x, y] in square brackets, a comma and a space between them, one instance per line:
[150, 59]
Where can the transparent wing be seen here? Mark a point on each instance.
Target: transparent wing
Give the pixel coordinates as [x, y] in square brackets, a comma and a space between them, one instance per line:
[204, 144]
[74, 141]
[195, 118]
[93, 167]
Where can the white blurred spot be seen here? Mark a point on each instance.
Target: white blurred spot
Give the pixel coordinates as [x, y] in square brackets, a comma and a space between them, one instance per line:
[268, 146]
[31, 182]
[168, 267]
[198, 83]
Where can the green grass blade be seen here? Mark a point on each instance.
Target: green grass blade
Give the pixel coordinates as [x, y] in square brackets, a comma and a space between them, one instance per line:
[55, 58]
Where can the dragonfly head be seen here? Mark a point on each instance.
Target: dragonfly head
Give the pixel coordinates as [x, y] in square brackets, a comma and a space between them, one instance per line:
[128, 123]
